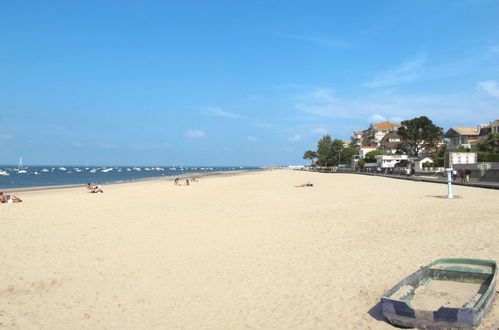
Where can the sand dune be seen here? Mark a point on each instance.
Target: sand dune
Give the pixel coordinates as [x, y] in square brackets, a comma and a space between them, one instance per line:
[231, 252]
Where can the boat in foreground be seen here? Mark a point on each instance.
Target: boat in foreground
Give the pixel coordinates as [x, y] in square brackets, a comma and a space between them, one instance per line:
[446, 294]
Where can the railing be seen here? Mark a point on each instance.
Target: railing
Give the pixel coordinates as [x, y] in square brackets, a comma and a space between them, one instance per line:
[432, 169]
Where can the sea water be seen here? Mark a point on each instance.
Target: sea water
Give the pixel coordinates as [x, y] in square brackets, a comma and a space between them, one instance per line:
[38, 176]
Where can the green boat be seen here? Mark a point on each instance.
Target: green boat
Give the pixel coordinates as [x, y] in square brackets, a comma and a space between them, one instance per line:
[446, 294]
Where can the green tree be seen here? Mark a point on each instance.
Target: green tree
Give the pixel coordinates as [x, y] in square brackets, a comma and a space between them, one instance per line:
[370, 157]
[438, 159]
[347, 155]
[336, 149]
[362, 163]
[490, 144]
[309, 154]
[418, 134]
[324, 151]
[462, 149]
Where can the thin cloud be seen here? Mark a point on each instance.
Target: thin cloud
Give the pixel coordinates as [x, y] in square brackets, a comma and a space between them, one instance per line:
[396, 119]
[194, 133]
[377, 117]
[295, 138]
[394, 106]
[252, 138]
[107, 145]
[318, 131]
[217, 112]
[6, 137]
[264, 125]
[317, 40]
[490, 87]
[407, 72]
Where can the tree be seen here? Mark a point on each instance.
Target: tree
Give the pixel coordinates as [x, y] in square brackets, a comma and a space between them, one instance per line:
[324, 151]
[362, 163]
[462, 149]
[309, 154]
[336, 149]
[370, 157]
[490, 144]
[347, 155]
[418, 134]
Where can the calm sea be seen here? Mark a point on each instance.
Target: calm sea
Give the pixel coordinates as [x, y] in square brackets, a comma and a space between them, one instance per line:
[37, 176]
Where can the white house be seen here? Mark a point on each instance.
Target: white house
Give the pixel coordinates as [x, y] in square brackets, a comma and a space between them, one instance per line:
[451, 158]
[364, 150]
[418, 162]
[389, 161]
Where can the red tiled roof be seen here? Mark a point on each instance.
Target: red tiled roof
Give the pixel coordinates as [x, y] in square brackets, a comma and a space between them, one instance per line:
[465, 130]
[386, 125]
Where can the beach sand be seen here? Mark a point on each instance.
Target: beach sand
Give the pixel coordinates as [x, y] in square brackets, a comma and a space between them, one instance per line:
[246, 251]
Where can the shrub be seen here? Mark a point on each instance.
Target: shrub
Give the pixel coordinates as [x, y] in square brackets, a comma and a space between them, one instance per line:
[487, 156]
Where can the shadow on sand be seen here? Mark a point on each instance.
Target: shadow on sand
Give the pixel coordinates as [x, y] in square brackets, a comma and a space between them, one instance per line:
[377, 314]
[445, 196]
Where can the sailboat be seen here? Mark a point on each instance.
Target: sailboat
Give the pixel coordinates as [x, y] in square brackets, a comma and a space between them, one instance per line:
[20, 167]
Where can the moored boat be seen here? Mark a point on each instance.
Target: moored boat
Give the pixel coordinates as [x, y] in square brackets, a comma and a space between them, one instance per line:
[446, 294]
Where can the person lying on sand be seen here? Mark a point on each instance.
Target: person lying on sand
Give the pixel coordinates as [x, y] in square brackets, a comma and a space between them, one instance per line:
[308, 184]
[194, 180]
[96, 189]
[8, 199]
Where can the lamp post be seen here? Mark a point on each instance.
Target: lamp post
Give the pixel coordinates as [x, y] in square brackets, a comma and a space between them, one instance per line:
[449, 182]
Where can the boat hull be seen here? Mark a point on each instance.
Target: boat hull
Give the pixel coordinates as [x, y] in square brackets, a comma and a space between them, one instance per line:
[398, 307]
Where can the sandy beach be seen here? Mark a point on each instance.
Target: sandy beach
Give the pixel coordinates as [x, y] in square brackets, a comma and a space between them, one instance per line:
[246, 251]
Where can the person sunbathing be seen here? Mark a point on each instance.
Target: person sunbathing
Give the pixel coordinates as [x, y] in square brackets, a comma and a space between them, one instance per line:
[308, 184]
[97, 189]
[94, 189]
[9, 199]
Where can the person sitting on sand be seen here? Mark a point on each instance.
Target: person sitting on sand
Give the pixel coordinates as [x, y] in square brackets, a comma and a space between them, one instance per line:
[176, 181]
[187, 182]
[8, 199]
[308, 184]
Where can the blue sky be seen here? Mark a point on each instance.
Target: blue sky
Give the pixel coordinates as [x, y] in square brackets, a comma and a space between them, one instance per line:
[234, 82]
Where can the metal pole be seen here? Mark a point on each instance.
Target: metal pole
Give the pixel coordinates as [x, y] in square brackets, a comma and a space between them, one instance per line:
[449, 182]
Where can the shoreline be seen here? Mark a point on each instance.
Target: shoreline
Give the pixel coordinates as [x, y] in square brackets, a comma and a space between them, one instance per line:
[159, 178]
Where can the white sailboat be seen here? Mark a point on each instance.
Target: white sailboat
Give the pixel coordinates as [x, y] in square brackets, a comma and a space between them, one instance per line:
[20, 167]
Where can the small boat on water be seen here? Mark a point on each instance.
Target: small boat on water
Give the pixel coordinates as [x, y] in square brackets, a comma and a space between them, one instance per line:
[446, 294]
[4, 173]
[20, 169]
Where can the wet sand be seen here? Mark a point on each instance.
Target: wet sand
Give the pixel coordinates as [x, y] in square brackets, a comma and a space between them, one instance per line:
[231, 252]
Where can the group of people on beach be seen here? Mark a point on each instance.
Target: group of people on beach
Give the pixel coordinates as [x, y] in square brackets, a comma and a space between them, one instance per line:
[95, 189]
[9, 199]
[463, 174]
[187, 182]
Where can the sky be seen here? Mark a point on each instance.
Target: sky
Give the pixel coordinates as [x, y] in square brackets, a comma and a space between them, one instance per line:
[234, 83]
